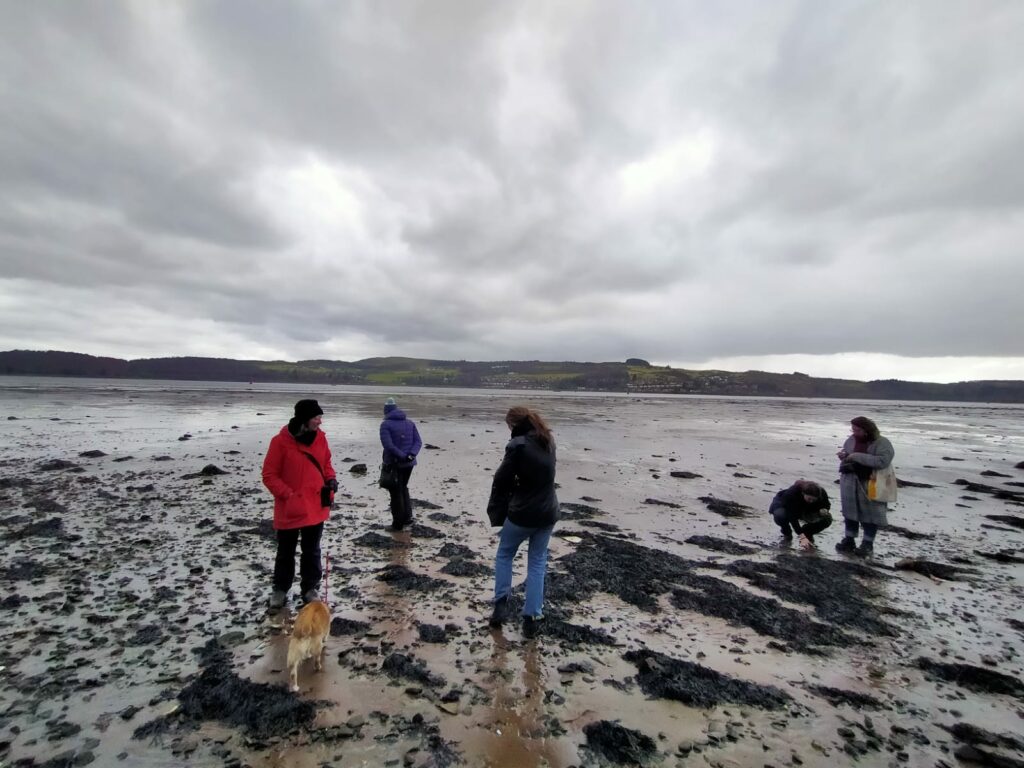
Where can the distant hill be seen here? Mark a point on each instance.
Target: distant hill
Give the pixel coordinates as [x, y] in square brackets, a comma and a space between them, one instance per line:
[633, 375]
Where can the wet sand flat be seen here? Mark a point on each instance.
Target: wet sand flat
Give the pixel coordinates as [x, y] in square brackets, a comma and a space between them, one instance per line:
[678, 629]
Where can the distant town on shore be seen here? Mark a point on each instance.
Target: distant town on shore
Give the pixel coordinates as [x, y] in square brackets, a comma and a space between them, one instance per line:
[632, 375]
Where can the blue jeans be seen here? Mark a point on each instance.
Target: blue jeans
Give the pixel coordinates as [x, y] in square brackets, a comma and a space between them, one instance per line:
[509, 539]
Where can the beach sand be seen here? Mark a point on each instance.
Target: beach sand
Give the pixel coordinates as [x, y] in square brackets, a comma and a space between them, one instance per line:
[135, 630]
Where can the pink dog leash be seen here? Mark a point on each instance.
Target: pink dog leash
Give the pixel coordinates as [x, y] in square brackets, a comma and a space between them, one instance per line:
[327, 578]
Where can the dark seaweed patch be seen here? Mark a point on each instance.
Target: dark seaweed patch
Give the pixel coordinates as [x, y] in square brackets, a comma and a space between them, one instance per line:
[935, 570]
[971, 734]
[715, 597]
[660, 503]
[721, 545]
[25, 570]
[999, 493]
[839, 591]
[52, 527]
[907, 533]
[838, 696]
[573, 634]
[1003, 556]
[636, 574]
[461, 566]
[725, 508]
[426, 532]
[378, 541]
[1016, 522]
[618, 743]
[341, 626]
[572, 511]
[663, 677]
[263, 710]
[431, 633]
[606, 527]
[451, 549]
[401, 666]
[977, 679]
[400, 577]
[422, 504]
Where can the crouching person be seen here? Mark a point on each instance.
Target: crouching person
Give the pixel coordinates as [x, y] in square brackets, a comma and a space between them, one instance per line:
[804, 508]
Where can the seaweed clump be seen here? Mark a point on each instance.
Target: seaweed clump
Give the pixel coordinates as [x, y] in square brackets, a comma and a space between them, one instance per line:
[401, 666]
[725, 508]
[634, 573]
[715, 597]
[837, 590]
[619, 744]
[262, 710]
[716, 544]
[663, 677]
[837, 696]
[400, 577]
[977, 679]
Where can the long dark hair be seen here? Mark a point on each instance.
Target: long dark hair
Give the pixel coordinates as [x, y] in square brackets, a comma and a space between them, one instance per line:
[867, 425]
[518, 414]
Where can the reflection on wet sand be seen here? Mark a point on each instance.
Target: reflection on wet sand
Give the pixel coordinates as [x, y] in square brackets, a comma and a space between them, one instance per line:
[514, 720]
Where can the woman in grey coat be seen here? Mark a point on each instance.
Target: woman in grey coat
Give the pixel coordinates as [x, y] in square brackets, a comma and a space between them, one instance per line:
[864, 451]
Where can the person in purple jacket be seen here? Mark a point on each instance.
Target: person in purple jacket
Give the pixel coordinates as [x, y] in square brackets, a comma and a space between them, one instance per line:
[401, 442]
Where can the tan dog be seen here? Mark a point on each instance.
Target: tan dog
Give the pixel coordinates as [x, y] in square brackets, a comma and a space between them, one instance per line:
[307, 642]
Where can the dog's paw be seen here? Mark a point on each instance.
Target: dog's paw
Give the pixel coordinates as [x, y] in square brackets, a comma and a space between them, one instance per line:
[294, 689]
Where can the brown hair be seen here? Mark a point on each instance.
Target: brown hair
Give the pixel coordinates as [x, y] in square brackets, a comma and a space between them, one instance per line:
[809, 487]
[867, 425]
[519, 413]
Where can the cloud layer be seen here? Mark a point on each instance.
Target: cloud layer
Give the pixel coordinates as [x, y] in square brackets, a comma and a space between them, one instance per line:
[686, 182]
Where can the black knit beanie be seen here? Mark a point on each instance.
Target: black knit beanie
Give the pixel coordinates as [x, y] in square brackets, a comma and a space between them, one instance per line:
[306, 410]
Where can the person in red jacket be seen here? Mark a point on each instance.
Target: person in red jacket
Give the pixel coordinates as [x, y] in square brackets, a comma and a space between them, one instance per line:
[298, 472]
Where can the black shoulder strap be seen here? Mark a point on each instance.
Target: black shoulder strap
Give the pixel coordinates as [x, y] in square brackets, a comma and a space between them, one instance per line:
[315, 464]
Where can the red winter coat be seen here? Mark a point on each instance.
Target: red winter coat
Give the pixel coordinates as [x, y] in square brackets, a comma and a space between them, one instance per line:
[295, 481]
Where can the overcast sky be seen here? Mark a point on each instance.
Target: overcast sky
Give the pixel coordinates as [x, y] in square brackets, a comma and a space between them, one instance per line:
[830, 187]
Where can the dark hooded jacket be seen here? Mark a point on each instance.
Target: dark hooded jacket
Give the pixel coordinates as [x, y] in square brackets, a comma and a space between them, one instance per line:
[796, 506]
[400, 438]
[525, 482]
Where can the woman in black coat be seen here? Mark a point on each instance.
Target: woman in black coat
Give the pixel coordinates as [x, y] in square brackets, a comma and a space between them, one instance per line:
[523, 493]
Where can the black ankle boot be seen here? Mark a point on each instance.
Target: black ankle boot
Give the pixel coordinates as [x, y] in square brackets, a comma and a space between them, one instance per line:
[500, 612]
[866, 549]
[846, 545]
[531, 627]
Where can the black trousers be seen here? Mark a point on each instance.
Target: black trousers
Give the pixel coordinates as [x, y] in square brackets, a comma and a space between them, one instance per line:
[789, 523]
[310, 570]
[401, 504]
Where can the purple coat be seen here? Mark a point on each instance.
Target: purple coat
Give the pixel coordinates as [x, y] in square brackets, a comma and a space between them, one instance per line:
[400, 439]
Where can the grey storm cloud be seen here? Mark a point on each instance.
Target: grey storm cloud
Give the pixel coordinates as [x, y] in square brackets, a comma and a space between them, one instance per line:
[680, 181]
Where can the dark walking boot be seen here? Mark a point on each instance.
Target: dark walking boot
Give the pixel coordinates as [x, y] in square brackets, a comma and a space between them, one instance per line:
[866, 549]
[500, 612]
[531, 627]
[846, 546]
